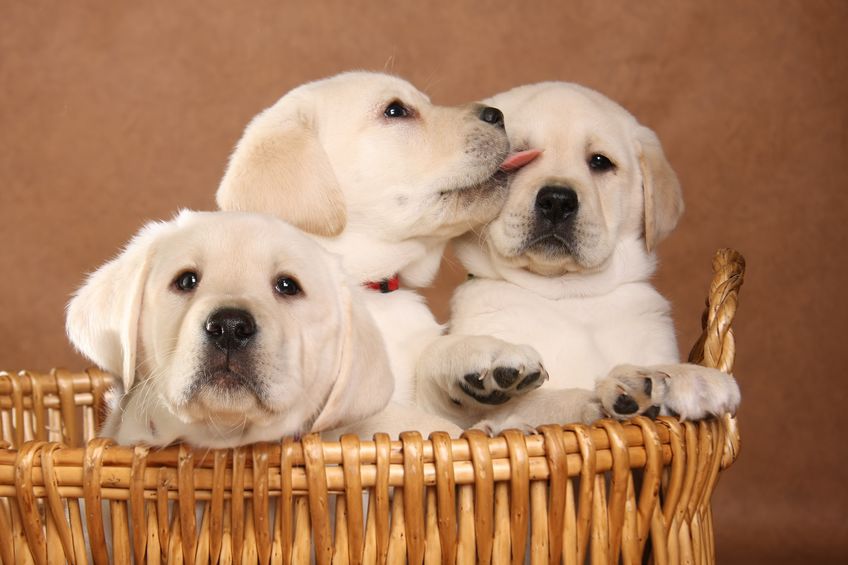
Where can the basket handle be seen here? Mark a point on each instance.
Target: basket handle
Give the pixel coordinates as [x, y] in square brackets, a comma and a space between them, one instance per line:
[716, 347]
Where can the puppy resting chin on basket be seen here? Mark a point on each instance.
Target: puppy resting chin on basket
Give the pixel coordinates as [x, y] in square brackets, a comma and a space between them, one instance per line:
[229, 328]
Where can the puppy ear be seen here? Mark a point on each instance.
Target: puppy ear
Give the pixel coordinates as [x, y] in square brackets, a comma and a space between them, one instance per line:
[103, 316]
[279, 167]
[661, 189]
[364, 384]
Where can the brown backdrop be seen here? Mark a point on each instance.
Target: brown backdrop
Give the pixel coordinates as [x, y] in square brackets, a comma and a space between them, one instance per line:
[111, 115]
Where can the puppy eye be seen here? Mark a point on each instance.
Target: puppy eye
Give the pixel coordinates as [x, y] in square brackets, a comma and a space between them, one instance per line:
[187, 281]
[287, 286]
[600, 163]
[396, 110]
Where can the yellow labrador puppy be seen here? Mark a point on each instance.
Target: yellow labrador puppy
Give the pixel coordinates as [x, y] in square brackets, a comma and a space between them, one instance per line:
[229, 328]
[375, 172]
[561, 280]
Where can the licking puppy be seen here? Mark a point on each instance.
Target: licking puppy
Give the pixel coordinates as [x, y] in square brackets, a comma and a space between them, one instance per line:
[561, 280]
[376, 173]
[229, 328]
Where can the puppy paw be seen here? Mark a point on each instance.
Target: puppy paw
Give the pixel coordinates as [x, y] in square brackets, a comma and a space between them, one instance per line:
[629, 391]
[498, 371]
[696, 392]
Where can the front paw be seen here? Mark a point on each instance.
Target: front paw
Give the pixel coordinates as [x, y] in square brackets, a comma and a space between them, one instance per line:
[497, 372]
[629, 391]
[696, 392]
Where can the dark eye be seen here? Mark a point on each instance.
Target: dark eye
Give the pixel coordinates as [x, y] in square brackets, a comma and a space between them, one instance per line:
[600, 163]
[287, 286]
[187, 281]
[396, 110]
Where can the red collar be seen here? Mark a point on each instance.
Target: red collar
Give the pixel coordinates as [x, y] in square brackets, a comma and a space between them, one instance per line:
[386, 285]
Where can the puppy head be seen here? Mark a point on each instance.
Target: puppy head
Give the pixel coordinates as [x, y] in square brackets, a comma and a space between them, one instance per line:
[368, 151]
[233, 320]
[601, 177]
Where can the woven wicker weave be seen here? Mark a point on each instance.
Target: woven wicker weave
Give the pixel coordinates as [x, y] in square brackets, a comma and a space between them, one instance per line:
[601, 493]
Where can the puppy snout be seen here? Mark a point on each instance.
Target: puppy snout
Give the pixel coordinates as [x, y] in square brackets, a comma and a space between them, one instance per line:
[556, 203]
[492, 116]
[230, 329]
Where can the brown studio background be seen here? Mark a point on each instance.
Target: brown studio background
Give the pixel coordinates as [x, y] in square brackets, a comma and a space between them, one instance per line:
[111, 115]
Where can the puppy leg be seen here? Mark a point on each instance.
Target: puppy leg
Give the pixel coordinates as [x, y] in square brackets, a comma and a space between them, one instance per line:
[465, 377]
[545, 406]
[690, 391]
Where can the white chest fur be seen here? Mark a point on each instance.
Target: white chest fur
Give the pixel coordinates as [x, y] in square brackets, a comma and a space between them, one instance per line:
[407, 327]
[579, 338]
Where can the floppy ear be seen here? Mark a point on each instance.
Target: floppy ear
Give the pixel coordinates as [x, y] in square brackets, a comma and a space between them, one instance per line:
[364, 384]
[661, 189]
[103, 316]
[279, 167]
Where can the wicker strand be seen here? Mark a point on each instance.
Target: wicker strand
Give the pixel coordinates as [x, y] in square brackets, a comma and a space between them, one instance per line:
[618, 485]
[484, 487]
[216, 507]
[587, 475]
[187, 502]
[54, 502]
[18, 406]
[318, 499]
[397, 531]
[432, 544]
[519, 493]
[27, 505]
[7, 553]
[413, 496]
[381, 496]
[556, 489]
[92, 467]
[261, 502]
[237, 503]
[340, 549]
[40, 427]
[353, 498]
[137, 506]
[446, 496]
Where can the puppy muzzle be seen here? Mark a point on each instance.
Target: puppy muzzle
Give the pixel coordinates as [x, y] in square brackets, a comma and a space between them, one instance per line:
[555, 211]
[228, 365]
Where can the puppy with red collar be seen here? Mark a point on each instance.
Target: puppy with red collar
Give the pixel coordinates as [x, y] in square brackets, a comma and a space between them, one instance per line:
[373, 171]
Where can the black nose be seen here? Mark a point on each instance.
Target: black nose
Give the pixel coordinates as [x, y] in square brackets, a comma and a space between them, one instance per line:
[230, 328]
[556, 203]
[492, 116]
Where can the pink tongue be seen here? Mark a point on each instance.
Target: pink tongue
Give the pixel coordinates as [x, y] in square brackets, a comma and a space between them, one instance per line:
[515, 161]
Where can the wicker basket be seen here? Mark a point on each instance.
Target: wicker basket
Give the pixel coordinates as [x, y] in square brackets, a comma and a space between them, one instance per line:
[573, 493]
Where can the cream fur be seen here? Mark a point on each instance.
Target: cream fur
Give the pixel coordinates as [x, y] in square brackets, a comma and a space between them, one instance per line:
[317, 356]
[580, 313]
[386, 194]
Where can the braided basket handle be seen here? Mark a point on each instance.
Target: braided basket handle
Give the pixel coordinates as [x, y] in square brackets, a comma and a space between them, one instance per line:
[716, 347]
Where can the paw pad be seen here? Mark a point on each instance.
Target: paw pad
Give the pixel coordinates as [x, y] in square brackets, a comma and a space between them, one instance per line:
[505, 376]
[625, 405]
[500, 384]
[532, 379]
[474, 380]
